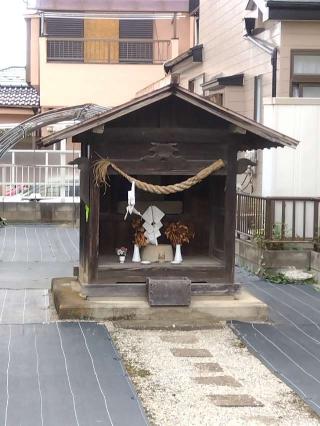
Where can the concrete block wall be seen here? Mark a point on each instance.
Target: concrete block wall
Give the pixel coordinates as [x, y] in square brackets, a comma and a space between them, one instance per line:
[38, 212]
[315, 265]
[256, 260]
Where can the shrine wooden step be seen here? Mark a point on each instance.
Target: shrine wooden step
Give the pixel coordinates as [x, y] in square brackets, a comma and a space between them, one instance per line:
[169, 291]
[100, 288]
[132, 273]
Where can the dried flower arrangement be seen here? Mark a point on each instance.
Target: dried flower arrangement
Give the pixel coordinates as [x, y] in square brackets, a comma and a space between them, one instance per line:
[178, 233]
[138, 237]
[122, 251]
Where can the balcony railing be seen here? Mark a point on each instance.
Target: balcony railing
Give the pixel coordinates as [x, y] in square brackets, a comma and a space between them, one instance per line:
[39, 174]
[278, 219]
[108, 51]
[22, 183]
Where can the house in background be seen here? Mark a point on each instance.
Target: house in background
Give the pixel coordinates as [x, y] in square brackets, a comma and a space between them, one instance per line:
[102, 52]
[18, 99]
[99, 52]
[18, 102]
[262, 59]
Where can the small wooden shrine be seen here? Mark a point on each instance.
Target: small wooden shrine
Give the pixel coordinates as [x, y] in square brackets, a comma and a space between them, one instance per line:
[162, 139]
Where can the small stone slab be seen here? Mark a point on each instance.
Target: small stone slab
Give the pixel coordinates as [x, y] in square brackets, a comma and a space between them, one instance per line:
[235, 401]
[218, 381]
[262, 420]
[209, 367]
[184, 339]
[190, 353]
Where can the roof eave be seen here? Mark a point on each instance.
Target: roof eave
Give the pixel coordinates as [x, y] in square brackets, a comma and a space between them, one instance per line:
[293, 4]
[290, 11]
[195, 53]
[113, 6]
[19, 106]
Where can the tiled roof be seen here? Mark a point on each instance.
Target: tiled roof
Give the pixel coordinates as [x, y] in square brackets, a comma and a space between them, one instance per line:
[19, 96]
[15, 91]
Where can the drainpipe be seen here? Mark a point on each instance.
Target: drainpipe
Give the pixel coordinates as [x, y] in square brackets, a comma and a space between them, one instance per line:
[274, 60]
[42, 25]
[273, 52]
[174, 21]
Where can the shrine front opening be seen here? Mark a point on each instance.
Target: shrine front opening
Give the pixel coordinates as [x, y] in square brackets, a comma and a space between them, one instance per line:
[200, 207]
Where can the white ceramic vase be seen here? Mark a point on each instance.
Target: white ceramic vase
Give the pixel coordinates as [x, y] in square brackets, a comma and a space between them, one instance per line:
[178, 257]
[136, 254]
[122, 259]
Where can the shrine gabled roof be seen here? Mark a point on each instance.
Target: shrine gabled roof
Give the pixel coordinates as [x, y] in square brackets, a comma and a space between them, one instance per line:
[265, 137]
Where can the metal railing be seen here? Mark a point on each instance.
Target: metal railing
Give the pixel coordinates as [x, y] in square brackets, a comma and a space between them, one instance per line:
[108, 51]
[19, 182]
[278, 219]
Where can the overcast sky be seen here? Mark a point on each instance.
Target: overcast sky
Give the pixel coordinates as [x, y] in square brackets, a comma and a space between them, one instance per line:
[12, 33]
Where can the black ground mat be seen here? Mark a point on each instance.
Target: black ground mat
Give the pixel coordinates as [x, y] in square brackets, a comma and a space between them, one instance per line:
[292, 354]
[290, 345]
[64, 373]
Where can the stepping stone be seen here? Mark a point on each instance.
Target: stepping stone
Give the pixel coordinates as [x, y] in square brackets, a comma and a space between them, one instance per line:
[262, 420]
[218, 381]
[190, 353]
[208, 367]
[235, 401]
[179, 339]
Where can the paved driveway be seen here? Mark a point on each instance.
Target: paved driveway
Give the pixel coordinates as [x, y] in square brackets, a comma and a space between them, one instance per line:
[290, 345]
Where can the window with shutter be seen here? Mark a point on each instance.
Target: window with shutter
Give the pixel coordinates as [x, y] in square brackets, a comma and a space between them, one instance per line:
[305, 73]
[63, 46]
[140, 49]
[64, 27]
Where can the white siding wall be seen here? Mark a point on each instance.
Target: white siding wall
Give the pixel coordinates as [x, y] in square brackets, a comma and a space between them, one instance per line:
[289, 172]
[226, 51]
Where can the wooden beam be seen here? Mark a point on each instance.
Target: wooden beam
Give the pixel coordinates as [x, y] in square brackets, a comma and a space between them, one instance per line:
[165, 135]
[238, 130]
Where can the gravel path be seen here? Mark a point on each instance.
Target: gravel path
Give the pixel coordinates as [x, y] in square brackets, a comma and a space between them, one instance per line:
[175, 390]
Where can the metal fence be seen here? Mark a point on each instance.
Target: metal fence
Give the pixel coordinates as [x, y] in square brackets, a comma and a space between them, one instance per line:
[278, 219]
[21, 182]
[108, 51]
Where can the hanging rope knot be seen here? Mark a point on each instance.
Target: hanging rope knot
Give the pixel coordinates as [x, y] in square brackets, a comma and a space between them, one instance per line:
[101, 177]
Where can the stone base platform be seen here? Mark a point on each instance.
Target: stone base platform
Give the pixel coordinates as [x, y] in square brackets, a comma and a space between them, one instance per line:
[203, 311]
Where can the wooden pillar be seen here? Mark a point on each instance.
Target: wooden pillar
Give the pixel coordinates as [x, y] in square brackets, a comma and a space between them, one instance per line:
[230, 214]
[83, 231]
[89, 224]
[94, 216]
